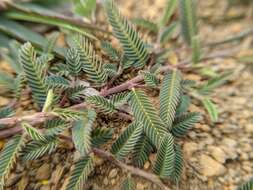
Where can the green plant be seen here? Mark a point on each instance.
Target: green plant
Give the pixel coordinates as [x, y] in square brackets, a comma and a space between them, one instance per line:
[73, 86]
[246, 186]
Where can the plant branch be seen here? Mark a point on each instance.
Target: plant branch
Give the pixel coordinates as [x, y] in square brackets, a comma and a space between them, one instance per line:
[5, 133]
[32, 119]
[181, 65]
[135, 171]
[12, 123]
[40, 117]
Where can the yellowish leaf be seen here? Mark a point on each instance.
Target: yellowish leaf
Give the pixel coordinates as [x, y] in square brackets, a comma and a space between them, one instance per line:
[173, 59]
[2, 143]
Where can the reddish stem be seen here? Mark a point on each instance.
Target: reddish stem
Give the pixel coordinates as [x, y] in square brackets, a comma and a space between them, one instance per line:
[41, 116]
[135, 171]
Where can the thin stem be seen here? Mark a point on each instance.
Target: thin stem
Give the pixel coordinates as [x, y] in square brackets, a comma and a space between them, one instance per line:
[182, 65]
[40, 117]
[5, 133]
[134, 171]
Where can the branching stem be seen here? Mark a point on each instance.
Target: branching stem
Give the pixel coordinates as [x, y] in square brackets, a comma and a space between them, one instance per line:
[40, 117]
[134, 171]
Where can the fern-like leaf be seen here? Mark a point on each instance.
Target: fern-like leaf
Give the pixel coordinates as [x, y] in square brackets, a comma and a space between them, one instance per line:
[111, 69]
[55, 126]
[134, 48]
[79, 175]
[91, 63]
[19, 84]
[128, 184]
[145, 113]
[110, 51]
[6, 112]
[57, 82]
[165, 157]
[33, 133]
[67, 114]
[186, 84]
[178, 165]
[213, 83]
[102, 103]
[73, 61]
[127, 140]
[184, 104]
[196, 49]
[184, 123]
[211, 109]
[168, 12]
[51, 43]
[188, 19]
[34, 73]
[76, 93]
[100, 136]
[36, 149]
[43, 61]
[247, 186]
[167, 32]
[141, 151]
[60, 69]
[146, 24]
[170, 96]
[120, 99]
[8, 157]
[126, 63]
[81, 132]
[150, 79]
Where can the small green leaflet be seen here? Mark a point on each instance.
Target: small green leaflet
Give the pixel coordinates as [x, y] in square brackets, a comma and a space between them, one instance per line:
[211, 109]
[167, 32]
[49, 101]
[33, 133]
[188, 19]
[84, 7]
[247, 186]
[8, 157]
[214, 83]
[128, 184]
[67, 114]
[183, 123]
[196, 49]
[169, 10]
[102, 103]
[81, 132]
[147, 24]
[127, 140]
[80, 173]
[165, 157]
[36, 149]
[178, 165]
[133, 46]
[100, 136]
[170, 96]
[145, 112]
